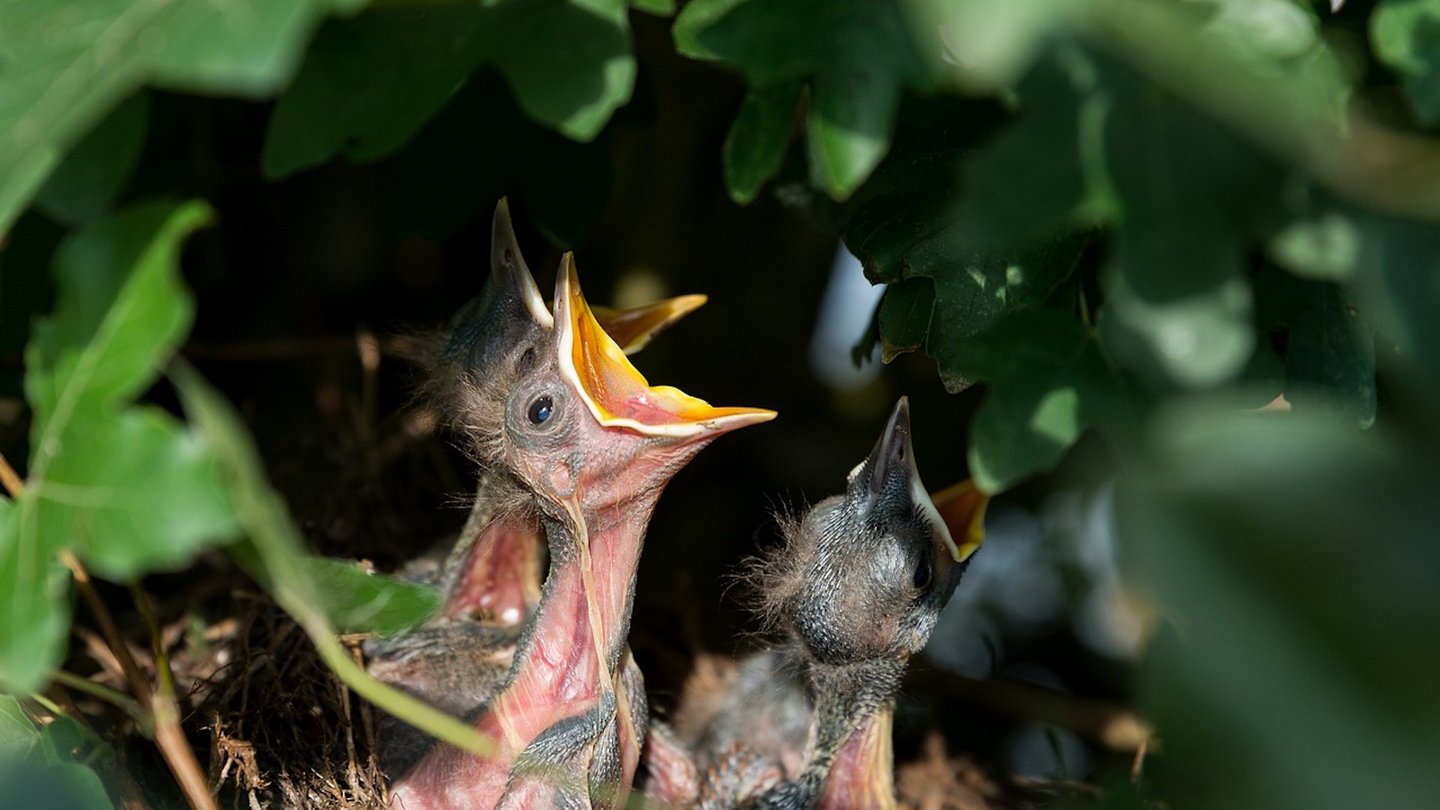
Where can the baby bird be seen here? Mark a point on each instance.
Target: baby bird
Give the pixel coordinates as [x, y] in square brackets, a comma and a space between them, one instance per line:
[590, 444]
[855, 589]
[491, 578]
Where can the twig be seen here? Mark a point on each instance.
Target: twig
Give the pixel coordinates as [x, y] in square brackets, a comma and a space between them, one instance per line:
[168, 734]
[108, 629]
[10, 479]
[1115, 727]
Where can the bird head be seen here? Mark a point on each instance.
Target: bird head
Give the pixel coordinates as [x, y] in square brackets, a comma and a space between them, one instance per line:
[500, 336]
[581, 423]
[864, 574]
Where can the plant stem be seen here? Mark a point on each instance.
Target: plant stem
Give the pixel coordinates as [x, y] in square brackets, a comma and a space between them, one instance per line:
[10, 479]
[168, 734]
[105, 693]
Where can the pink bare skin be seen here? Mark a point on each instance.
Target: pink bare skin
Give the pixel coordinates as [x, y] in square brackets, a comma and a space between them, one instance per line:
[569, 722]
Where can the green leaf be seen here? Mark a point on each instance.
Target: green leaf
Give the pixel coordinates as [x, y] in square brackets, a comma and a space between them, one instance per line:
[135, 493]
[1243, 527]
[127, 489]
[1046, 170]
[1325, 245]
[857, 56]
[341, 104]
[568, 61]
[1199, 340]
[1406, 36]
[17, 733]
[37, 605]
[974, 284]
[660, 8]
[756, 145]
[1193, 198]
[97, 169]
[360, 601]
[906, 313]
[995, 41]
[121, 309]
[1398, 282]
[61, 784]
[1048, 382]
[69, 64]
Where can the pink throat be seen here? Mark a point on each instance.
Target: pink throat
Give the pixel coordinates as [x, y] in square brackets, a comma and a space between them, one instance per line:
[563, 669]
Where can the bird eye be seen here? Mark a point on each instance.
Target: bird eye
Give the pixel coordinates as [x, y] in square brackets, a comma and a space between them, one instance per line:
[541, 410]
[923, 572]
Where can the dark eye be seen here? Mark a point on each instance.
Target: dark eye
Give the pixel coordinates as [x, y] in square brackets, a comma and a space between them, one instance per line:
[923, 572]
[541, 410]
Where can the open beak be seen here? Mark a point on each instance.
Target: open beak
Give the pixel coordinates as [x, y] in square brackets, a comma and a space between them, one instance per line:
[633, 329]
[614, 391]
[962, 508]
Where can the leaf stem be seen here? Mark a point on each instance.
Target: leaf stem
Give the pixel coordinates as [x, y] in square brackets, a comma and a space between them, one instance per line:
[105, 693]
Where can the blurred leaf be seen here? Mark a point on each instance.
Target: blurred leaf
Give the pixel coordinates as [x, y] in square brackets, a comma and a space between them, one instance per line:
[342, 102]
[481, 148]
[1046, 170]
[856, 56]
[127, 488]
[756, 145]
[1398, 283]
[1406, 37]
[359, 601]
[1199, 340]
[37, 767]
[568, 62]
[1325, 245]
[1047, 381]
[1329, 361]
[662, 8]
[1193, 197]
[1244, 527]
[97, 169]
[993, 42]
[67, 65]
[61, 784]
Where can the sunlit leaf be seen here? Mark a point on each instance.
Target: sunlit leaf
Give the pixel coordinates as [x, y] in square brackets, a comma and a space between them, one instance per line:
[1406, 37]
[856, 56]
[67, 65]
[568, 62]
[126, 489]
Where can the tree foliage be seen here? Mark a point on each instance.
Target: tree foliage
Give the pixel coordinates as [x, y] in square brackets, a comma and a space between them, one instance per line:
[1145, 219]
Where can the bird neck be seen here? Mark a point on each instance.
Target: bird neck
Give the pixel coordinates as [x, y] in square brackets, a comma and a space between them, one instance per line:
[850, 760]
[570, 659]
